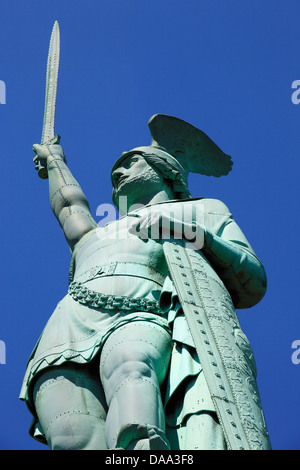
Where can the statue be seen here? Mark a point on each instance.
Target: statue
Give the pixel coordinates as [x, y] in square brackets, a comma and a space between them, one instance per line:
[145, 351]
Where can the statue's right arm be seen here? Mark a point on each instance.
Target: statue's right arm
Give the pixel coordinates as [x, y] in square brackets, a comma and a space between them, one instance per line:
[68, 202]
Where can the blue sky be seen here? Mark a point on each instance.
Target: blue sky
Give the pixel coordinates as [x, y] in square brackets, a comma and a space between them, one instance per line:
[225, 66]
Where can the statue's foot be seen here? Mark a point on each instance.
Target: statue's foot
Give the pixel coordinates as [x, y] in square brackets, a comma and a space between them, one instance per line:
[142, 437]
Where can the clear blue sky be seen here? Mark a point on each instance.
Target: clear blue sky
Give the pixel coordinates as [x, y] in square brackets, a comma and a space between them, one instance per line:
[226, 66]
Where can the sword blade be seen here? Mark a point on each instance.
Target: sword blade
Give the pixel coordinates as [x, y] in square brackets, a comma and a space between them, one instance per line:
[51, 85]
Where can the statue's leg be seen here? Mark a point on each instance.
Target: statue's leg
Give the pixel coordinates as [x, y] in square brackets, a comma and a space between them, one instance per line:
[71, 408]
[133, 364]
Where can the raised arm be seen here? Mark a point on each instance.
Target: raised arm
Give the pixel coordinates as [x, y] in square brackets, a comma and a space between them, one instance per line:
[68, 202]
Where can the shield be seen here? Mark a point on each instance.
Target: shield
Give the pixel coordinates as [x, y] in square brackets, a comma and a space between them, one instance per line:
[223, 349]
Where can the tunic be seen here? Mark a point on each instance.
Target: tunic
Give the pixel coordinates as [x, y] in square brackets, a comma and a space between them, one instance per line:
[114, 262]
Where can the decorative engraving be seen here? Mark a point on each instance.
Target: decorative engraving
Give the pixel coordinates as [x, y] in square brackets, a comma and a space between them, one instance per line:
[227, 348]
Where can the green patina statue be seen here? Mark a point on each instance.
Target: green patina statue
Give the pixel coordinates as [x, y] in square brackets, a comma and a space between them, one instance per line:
[145, 351]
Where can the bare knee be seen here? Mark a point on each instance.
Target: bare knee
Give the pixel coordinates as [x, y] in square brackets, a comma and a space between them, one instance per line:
[71, 409]
[73, 430]
[135, 364]
[134, 352]
[126, 364]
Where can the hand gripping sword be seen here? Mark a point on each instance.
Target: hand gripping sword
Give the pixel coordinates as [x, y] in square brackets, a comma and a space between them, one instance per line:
[50, 97]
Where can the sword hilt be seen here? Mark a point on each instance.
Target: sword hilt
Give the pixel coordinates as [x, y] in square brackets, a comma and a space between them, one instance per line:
[41, 169]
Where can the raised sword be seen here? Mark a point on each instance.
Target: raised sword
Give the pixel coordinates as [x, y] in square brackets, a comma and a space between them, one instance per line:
[48, 135]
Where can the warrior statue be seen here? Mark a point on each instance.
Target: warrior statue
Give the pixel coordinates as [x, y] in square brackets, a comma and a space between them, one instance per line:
[145, 351]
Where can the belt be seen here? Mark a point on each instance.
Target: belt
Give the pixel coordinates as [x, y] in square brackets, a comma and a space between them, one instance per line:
[95, 299]
[121, 269]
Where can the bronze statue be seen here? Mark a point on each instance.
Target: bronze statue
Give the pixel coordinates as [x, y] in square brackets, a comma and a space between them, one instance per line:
[145, 351]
